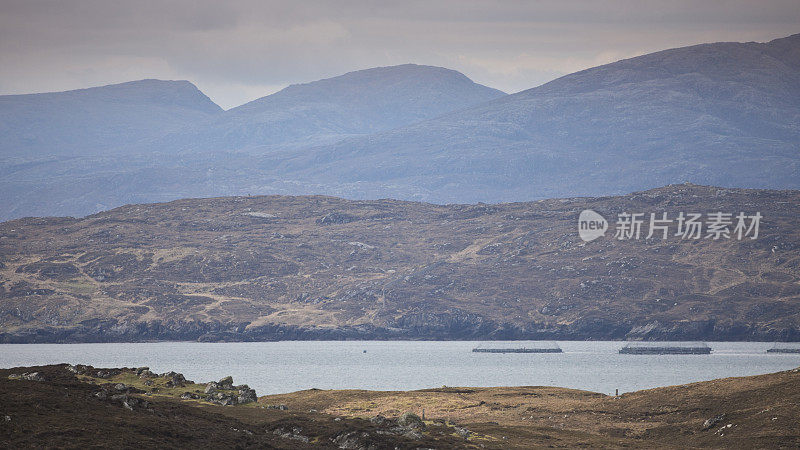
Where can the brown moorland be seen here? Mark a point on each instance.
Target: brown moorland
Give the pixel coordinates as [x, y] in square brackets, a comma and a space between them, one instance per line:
[63, 409]
[273, 267]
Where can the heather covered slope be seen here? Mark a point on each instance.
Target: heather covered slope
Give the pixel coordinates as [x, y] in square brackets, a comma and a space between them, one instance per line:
[255, 268]
[746, 412]
[58, 408]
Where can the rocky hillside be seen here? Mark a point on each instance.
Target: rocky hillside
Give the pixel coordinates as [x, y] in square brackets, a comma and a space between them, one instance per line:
[64, 406]
[261, 268]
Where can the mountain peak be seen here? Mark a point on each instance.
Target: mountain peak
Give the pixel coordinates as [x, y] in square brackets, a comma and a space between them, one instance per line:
[384, 82]
[355, 103]
[98, 120]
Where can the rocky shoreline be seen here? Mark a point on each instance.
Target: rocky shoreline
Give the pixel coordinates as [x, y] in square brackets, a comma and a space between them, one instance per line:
[438, 328]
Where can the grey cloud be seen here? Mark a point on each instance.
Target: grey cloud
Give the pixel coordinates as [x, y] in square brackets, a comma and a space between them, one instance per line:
[239, 48]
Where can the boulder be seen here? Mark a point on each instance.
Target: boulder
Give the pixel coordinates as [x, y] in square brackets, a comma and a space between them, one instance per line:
[247, 396]
[221, 398]
[294, 433]
[132, 402]
[30, 376]
[225, 383]
[174, 379]
[413, 434]
[211, 387]
[709, 423]
[33, 376]
[411, 420]
[379, 420]
[78, 369]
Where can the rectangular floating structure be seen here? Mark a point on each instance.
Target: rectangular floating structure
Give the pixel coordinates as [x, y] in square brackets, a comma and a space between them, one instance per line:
[665, 348]
[551, 348]
[784, 348]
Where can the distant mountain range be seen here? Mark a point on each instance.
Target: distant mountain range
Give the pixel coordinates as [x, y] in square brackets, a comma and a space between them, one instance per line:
[725, 114]
[326, 111]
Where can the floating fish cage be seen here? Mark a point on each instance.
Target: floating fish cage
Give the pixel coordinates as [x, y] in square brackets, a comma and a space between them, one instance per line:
[665, 348]
[526, 348]
[785, 348]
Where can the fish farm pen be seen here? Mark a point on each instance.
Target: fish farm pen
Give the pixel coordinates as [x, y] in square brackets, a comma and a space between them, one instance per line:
[534, 348]
[665, 348]
[785, 348]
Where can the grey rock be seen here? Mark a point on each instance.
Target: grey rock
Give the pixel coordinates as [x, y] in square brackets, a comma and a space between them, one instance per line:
[293, 433]
[278, 407]
[225, 383]
[174, 379]
[379, 420]
[30, 376]
[411, 420]
[709, 423]
[413, 434]
[33, 376]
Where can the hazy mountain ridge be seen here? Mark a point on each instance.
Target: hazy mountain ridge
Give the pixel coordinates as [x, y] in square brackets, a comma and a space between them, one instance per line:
[356, 103]
[196, 155]
[261, 268]
[99, 120]
[725, 114]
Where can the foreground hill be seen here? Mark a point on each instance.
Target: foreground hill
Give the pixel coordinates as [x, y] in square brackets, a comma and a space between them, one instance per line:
[261, 268]
[55, 407]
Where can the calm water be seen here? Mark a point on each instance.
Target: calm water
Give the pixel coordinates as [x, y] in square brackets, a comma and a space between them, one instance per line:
[278, 367]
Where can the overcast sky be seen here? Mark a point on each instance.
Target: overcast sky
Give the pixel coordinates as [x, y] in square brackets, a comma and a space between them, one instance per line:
[239, 51]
